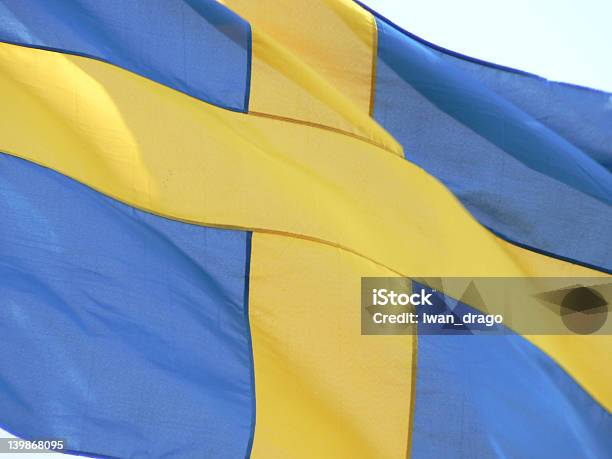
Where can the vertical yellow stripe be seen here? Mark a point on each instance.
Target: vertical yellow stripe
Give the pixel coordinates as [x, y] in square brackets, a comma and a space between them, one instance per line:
[323, 390]
[312, 62]
[332, 37]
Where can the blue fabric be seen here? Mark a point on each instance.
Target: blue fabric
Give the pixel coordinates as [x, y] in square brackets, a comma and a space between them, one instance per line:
[580, 115]
[513, 173]
[195, 46]
[124, 333]
[499, 396]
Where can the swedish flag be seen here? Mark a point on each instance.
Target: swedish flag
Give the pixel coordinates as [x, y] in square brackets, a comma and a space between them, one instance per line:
[191, 192]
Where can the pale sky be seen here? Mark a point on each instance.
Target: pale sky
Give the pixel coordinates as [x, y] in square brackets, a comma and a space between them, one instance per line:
[563, 40]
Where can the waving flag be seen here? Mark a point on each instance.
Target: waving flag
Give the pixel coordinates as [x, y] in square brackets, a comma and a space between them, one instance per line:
[191, 192]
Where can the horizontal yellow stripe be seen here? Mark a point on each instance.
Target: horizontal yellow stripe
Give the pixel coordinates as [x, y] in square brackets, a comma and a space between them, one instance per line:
[322, 389]
[162, 151]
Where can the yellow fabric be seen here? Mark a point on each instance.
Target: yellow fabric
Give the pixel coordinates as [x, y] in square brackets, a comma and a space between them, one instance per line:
[196, 162]
[335, 38]
[162, 151]
[319, 383]
[313, 62]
